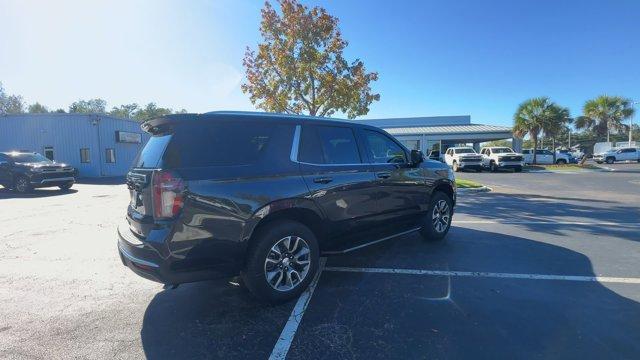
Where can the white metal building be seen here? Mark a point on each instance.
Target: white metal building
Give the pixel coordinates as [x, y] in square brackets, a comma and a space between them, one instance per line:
[442, 132]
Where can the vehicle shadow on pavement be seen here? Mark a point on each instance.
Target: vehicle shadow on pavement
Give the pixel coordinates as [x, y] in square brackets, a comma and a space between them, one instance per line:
[36, 193]
[373, 315]
[211, 320]
[587, 214]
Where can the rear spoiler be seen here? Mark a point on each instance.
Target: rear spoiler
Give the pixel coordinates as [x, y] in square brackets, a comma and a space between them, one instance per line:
[164, 124]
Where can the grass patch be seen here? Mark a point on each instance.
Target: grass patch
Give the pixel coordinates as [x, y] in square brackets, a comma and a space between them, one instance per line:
[467, 184]
[568, 167]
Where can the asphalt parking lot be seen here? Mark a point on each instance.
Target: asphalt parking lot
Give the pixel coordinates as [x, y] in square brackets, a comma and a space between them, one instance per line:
[545, 266]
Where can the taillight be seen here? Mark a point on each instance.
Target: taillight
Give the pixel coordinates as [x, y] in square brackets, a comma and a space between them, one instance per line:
[167, 194]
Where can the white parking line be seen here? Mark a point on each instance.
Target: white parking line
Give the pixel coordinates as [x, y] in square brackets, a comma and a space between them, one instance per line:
[281, 348]
[548, 222]
[600, 279]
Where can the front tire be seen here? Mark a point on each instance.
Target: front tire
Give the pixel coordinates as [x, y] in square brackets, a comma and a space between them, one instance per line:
[22, 185]
[455, 166]
[282, 261]
[493, 167]
[518, 169]
[610, 160]
[437, 221]
[561, 162]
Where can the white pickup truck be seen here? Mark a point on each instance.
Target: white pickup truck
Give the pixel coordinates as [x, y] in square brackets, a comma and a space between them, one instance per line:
[618, 154]
[499, 157]
[463, 158]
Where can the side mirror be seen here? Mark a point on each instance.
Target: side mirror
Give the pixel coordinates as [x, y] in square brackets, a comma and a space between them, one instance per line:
[416, 157]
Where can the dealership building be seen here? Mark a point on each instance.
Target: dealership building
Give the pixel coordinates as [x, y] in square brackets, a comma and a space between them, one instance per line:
[101, 145]
[97, 145]
[442, 132]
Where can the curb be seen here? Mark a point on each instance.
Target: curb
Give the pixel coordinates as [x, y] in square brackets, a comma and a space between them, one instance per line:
[481, 189]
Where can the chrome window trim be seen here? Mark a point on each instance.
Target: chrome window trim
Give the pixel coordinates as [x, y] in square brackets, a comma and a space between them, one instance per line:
[296, 144]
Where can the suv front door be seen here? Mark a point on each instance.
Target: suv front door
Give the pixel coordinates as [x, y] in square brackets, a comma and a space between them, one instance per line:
[340, 182]
[5, 170]
[402, 194]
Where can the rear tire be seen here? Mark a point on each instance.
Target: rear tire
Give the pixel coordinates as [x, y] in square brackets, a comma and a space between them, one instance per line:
[276, 255]
[66, 187]
[437, 220]
[22, 185]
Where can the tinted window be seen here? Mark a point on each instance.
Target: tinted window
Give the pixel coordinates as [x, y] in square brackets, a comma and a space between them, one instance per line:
[219, 144]
[150, 155]
[383, 149]
[329, 145]
[526, 151]
[28, 157]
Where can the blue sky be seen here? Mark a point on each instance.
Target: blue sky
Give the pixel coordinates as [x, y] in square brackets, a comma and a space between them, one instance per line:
[480, 58]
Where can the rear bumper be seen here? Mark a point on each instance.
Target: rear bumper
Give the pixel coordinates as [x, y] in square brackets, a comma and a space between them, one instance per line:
[148, 260]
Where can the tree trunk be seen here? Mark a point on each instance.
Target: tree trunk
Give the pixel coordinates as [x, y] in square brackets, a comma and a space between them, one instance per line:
[553, 145]
[535, 149]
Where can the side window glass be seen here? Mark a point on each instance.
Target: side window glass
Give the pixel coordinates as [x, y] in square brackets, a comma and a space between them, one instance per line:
[383, 149]
[329, 145]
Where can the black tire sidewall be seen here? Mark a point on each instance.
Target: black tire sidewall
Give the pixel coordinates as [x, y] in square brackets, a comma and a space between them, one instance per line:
[253, 275]
[427, 230]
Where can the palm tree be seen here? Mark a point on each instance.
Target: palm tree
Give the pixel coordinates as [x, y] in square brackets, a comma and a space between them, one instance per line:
[605, 113]
[555, 124]
[533, 116]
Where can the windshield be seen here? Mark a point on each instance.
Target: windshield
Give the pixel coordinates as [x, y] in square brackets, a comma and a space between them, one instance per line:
[28, 158]
[465, 151]
[501, 150]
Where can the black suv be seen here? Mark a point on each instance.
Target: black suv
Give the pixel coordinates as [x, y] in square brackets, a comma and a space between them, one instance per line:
[262, 195]
[24, 171]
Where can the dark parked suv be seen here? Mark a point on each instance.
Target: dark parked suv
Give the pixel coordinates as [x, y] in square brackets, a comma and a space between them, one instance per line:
[263, 195]
[24, 171]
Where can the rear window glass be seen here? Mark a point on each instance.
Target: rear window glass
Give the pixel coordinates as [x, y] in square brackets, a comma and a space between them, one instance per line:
[328, 145]
[218, 144]
[151, 154]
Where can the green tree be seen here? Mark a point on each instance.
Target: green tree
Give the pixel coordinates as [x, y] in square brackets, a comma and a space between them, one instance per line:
[605, 113]
[556, 123]
[300, 68]
[532, 117]
[10, 104]
[60, 111]
[92, 106]
[150, 111]
[37, 108]
[126, 111]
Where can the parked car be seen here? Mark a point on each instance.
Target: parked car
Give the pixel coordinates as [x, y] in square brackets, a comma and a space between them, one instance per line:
[463, 158]
[261, 195]
[618, 154]
[499, 157]
[24, 171]
[545, 157]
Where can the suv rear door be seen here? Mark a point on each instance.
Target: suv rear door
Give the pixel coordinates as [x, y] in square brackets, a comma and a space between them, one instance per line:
[340, 181]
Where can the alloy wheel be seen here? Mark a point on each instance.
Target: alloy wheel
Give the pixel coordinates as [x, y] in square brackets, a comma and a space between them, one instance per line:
[22, 185]
[287, 263]
[441, 216]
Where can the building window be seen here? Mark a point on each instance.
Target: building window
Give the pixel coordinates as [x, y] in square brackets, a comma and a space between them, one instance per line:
[110, 156]
[85, 156]
[48, 152]
[411, 144]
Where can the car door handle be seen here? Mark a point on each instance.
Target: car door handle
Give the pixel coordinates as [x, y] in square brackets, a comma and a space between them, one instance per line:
[323, 180]
[384, 174]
